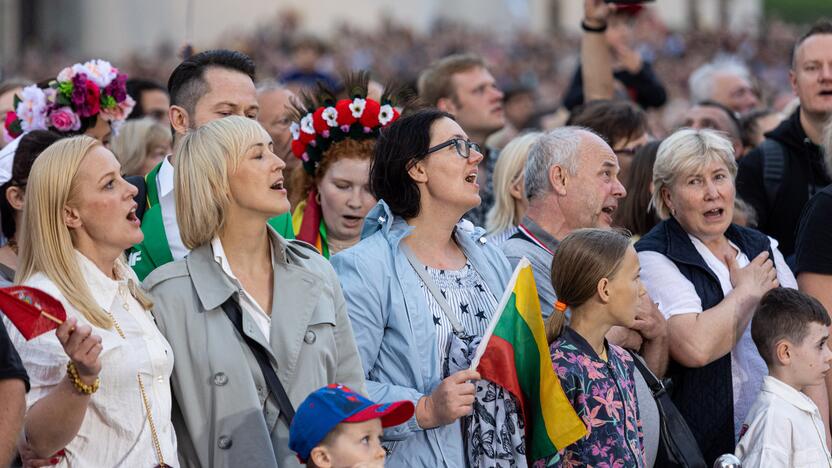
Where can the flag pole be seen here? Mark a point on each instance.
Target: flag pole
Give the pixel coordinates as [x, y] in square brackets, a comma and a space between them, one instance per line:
[524, 262]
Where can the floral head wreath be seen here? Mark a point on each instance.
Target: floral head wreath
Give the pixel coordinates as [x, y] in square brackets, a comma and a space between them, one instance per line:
[95, 88]
[321, 119]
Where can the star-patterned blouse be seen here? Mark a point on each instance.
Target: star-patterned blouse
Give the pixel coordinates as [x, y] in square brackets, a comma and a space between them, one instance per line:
[469, 297]
[604, 395]
[494, 433]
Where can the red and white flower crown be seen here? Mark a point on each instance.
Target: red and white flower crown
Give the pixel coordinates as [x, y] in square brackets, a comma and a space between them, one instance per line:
[322, 120]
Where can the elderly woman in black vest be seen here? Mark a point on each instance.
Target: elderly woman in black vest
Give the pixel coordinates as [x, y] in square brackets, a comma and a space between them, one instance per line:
[707, 276]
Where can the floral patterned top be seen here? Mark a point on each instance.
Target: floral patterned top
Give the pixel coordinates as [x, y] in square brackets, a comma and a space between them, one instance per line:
[604, 395]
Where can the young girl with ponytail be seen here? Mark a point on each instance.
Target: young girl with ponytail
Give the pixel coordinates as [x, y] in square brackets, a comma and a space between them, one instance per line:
[595, 273]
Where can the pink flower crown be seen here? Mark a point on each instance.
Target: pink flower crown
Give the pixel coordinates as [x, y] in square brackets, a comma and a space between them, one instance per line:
[95, 88]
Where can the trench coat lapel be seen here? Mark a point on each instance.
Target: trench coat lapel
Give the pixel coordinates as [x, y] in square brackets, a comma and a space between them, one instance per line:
[213, 288]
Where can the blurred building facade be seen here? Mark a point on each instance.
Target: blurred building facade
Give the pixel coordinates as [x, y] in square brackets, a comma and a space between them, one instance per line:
[112, 28]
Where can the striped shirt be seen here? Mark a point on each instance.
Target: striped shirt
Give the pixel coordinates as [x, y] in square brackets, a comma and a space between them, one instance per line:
[469, 298]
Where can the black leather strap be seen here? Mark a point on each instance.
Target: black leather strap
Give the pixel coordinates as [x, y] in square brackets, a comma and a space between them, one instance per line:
[287, 411]
[653, 382]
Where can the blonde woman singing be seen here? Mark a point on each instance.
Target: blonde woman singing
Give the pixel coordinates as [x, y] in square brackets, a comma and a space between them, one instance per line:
[100, 384]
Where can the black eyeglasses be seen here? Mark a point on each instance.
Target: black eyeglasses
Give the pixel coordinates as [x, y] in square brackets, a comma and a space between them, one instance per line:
[463, 147]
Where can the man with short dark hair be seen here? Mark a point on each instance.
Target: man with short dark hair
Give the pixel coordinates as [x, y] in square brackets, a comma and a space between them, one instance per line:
[778, 177]
[462, 85]
[151, 99]
[207, 86]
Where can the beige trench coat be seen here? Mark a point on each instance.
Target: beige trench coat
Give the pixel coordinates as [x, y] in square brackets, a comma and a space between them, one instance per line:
[222, 415]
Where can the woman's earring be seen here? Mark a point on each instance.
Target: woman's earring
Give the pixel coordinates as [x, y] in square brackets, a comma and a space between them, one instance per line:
[318, 197]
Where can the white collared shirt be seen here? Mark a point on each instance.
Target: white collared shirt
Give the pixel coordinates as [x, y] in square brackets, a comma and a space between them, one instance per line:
[247, 302]
[783, 429]
[115, 431]
[164, 185]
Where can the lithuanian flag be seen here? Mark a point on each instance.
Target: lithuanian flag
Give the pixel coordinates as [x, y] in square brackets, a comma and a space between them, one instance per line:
[514, 354]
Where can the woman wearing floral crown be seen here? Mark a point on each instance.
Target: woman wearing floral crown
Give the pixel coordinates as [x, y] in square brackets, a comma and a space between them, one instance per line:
[335, 141]
[89, 99]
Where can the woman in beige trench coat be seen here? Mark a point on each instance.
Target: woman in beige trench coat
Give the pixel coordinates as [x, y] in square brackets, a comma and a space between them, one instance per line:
[228, 184]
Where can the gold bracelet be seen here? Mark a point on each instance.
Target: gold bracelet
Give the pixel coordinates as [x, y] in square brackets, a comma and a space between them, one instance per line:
[72, 373]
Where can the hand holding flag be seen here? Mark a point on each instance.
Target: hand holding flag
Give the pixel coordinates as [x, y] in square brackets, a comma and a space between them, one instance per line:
[34, 312]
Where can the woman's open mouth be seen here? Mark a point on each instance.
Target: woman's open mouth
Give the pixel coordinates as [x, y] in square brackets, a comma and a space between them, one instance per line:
[131, 216]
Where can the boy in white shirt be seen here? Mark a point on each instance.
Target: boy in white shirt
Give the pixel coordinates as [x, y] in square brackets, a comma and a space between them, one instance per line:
[784, 427]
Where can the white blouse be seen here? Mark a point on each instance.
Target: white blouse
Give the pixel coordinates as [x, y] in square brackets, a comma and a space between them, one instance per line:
[115, 430]
[247, 302]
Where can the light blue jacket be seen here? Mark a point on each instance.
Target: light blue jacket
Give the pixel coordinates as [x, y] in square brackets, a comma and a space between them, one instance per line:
[395, 333]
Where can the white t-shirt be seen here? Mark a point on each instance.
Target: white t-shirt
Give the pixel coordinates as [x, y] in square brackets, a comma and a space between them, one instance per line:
[675, 295]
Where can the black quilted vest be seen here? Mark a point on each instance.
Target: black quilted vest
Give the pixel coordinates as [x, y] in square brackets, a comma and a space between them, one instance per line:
[703, 395]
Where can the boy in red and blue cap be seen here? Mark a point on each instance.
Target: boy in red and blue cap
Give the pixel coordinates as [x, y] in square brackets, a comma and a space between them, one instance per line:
[335, 426]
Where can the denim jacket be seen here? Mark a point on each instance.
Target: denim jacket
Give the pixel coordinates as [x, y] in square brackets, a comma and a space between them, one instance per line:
[394, 329]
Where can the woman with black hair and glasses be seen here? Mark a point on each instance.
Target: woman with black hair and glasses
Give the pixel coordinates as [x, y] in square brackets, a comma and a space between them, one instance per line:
[421, 287]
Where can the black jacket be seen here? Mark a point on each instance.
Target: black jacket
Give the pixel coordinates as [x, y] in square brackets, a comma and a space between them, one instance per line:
[804, 175]
[643, 88]
[703, 395]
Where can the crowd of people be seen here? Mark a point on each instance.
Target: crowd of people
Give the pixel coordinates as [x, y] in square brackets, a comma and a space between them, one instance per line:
[299, 270]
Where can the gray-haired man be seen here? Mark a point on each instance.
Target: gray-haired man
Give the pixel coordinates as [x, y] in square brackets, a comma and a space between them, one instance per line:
[571, 183]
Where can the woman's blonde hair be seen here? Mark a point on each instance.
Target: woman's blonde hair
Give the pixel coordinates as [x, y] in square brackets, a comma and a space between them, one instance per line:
[204, 160]
[684, 152]
[46, 245]
[135, 139]
[582, 259]
[507, 172]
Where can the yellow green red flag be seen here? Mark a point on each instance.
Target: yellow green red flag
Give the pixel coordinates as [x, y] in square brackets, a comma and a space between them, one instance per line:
[514, 354]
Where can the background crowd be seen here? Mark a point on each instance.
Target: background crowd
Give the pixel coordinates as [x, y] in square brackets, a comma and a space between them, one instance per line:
[288, 219]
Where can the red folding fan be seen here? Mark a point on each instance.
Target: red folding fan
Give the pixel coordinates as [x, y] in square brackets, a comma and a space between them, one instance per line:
[32, 311]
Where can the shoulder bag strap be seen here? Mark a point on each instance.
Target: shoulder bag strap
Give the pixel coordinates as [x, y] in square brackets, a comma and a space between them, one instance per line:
[287, 411]
[774, 168]
[434, 290]
[653, 382]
